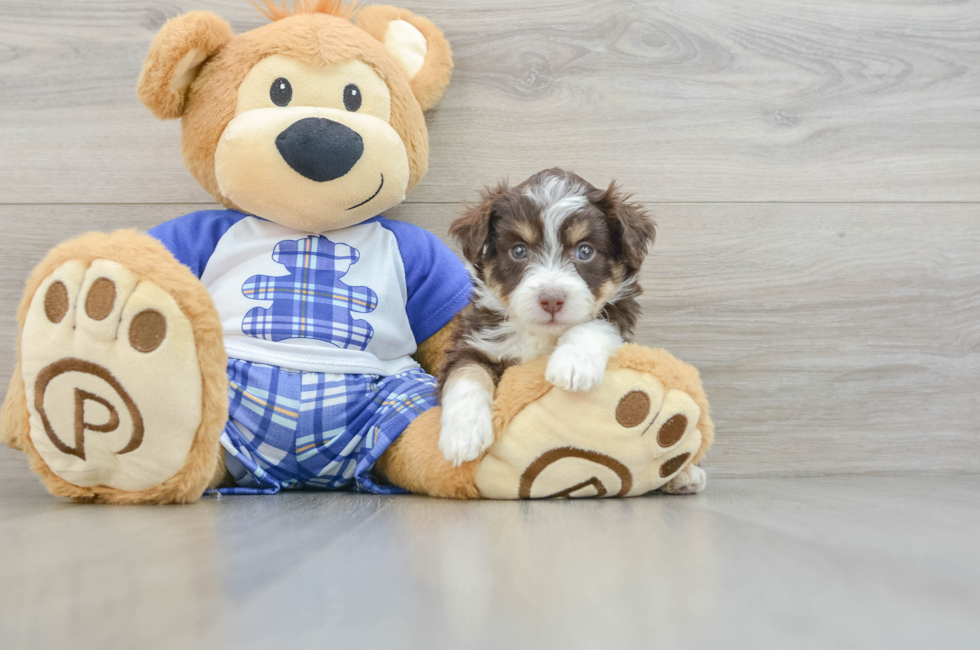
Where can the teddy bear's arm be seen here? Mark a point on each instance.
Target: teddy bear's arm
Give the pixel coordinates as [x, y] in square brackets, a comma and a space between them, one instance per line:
[431, 354]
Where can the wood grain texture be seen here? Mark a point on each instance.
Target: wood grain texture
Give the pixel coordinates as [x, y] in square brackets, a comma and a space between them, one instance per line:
[831, 338]
[833, 562]
[761, 100]
[835, 323]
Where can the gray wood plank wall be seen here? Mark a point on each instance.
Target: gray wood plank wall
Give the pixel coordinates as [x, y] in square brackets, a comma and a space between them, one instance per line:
[814, 167]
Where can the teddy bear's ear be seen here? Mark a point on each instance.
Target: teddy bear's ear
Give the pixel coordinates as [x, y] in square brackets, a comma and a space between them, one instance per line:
[175, 57]
[417, 44]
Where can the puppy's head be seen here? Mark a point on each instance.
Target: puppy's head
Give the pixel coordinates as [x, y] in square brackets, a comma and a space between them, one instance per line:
[554, 251]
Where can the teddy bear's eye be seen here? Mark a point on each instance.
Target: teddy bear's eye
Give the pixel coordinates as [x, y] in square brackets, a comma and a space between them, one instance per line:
[281, 92]
[352, 97]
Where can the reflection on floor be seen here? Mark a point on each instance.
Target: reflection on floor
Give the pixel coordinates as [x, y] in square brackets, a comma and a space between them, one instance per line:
[870, 561]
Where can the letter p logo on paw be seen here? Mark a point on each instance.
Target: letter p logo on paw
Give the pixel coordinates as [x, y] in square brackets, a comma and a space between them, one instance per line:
[84, 419]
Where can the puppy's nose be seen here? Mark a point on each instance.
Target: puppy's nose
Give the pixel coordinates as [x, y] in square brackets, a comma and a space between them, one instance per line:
[320, 149]
[552, 301]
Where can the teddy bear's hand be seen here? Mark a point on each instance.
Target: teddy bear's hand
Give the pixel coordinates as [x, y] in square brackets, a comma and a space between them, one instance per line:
[690, 480]
[579, 361]
[467, 421]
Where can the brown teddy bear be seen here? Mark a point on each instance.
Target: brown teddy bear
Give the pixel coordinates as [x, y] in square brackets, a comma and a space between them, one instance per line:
[291, 339]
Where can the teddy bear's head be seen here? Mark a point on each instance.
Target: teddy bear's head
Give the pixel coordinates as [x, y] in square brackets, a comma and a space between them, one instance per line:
[313, 121]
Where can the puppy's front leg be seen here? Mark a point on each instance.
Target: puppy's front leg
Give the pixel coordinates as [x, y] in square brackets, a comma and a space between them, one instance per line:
[690, 480]
[579, 361]
[467, 413]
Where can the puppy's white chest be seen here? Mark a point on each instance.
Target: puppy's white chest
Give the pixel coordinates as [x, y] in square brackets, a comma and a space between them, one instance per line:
[524, 346]
[507, 343]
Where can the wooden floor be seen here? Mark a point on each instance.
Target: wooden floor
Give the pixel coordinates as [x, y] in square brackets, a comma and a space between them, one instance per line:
[814, 166]
[827, 562]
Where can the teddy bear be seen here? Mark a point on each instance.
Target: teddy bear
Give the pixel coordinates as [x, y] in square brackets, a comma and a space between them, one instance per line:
[292, 339]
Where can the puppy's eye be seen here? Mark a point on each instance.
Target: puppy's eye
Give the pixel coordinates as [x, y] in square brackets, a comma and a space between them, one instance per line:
[281, 92]
[585, 252]
[519, 252]
[352, 97]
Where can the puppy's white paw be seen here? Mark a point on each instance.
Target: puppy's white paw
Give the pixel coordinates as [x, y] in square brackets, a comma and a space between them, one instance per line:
[467, 421]
[576, 368]
[464, 436]
[690, 480]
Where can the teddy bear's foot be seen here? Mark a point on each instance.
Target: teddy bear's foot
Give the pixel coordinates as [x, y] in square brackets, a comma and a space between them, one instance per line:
[638, 431]
[113, 383]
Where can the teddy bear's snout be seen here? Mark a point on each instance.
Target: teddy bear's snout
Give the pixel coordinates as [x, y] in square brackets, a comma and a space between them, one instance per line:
[320, 149]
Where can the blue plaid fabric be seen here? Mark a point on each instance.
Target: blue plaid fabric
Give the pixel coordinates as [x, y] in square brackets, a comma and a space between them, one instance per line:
[311, 302]
[309, 430]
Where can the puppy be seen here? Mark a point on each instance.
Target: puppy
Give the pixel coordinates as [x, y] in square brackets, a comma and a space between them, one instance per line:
[554, 262]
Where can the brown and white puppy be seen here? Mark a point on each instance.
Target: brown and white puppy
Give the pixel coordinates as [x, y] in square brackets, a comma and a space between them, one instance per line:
[554, 262]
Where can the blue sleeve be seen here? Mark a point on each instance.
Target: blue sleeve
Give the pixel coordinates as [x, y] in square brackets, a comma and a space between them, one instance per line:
[439, 286]
[193, 237]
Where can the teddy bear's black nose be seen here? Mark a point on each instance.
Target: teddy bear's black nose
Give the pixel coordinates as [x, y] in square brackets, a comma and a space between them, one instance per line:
[320, 149]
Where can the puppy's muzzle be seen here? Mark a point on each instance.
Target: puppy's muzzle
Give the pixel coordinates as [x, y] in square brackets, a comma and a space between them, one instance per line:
[320, 149]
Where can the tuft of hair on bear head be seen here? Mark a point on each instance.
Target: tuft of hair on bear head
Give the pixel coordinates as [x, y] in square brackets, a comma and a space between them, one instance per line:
[337, 8]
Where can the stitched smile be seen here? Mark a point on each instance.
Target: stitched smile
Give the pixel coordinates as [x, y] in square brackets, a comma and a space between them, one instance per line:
[372, 196]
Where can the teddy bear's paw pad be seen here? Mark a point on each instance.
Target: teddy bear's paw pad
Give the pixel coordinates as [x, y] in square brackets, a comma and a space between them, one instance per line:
[628, 436]
[112, 378]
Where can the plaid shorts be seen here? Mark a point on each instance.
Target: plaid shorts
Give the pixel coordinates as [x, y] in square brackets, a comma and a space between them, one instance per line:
[289, 430]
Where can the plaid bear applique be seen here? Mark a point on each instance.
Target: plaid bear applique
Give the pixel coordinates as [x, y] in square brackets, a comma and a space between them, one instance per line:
[311, 302]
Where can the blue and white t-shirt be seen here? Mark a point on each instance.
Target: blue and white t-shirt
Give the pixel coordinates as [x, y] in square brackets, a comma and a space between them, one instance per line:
[357, 300]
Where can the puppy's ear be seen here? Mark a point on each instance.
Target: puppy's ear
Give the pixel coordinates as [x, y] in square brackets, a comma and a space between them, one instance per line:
[473, 228]
[417, 44]
[633, 230]
[175, 58]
